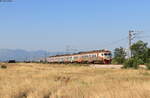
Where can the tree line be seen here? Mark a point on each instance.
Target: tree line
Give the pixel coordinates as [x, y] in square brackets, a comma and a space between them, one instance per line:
[140, 54]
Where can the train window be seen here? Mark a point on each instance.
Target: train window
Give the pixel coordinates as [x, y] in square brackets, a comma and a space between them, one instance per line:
[105, 54]
[84, 56]
[110, 54]
[93, 55]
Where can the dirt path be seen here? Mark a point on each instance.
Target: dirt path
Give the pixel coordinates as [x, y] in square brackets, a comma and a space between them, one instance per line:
[106, 66]
[111, 66]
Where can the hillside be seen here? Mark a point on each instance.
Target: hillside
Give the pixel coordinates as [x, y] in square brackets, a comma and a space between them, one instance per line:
[21, 55]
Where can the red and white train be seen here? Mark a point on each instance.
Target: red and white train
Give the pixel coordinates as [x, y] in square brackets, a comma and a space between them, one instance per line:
[96, 56]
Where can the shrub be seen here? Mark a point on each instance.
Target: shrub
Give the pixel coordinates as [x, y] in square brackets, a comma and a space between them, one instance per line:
[148, 60]
[131, 63]
[140, 61]
[148, 66]
[114, 61]
[118, 60]
[3, 66]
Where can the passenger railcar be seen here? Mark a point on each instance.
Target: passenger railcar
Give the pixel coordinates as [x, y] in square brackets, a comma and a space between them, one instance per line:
[97, 56]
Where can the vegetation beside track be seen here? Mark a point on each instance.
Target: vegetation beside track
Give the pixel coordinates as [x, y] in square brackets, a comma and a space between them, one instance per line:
[33, 80]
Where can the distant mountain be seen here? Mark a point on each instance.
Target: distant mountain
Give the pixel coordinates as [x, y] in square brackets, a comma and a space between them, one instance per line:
[22, 55]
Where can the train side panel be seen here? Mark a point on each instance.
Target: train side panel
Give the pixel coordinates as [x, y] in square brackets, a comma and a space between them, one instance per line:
[95, 57]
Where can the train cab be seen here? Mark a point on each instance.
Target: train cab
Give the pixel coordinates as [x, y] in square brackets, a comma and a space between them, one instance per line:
[106, 57]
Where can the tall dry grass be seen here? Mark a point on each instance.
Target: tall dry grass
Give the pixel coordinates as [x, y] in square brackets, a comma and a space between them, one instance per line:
[64, 81]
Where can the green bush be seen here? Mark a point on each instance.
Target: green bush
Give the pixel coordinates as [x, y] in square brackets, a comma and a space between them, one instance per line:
[114, 61]
[3, 66]
[140, 61]
[118, 60]
[148, 60]
[131, 63]
[148, 66]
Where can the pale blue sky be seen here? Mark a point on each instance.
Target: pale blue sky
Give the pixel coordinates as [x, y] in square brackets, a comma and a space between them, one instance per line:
[82, 24]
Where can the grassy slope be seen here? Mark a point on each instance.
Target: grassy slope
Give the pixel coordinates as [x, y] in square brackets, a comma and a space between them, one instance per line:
[60, 81]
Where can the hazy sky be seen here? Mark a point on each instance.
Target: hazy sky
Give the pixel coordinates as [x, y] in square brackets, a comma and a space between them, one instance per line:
[81, 24]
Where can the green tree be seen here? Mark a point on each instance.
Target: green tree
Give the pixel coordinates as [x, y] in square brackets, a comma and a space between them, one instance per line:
[148, 55]
[119, 55]
[140, 51]
[131, 63]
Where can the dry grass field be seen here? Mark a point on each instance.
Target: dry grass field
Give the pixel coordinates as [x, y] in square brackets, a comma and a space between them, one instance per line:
[66, 81]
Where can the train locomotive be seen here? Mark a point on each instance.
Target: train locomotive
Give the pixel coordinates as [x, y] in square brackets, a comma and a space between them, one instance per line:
[96, 56]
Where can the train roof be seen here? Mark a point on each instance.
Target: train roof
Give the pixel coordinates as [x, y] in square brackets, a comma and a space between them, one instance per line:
[85, 52]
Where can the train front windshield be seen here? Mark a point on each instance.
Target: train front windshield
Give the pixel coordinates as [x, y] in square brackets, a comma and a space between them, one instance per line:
[108, 54]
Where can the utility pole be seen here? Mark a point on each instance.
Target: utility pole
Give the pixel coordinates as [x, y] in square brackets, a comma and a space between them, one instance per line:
[131, 37]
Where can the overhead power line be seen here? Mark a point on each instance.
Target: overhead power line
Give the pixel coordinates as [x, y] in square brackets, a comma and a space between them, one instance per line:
[147, 36]
[115, 42]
